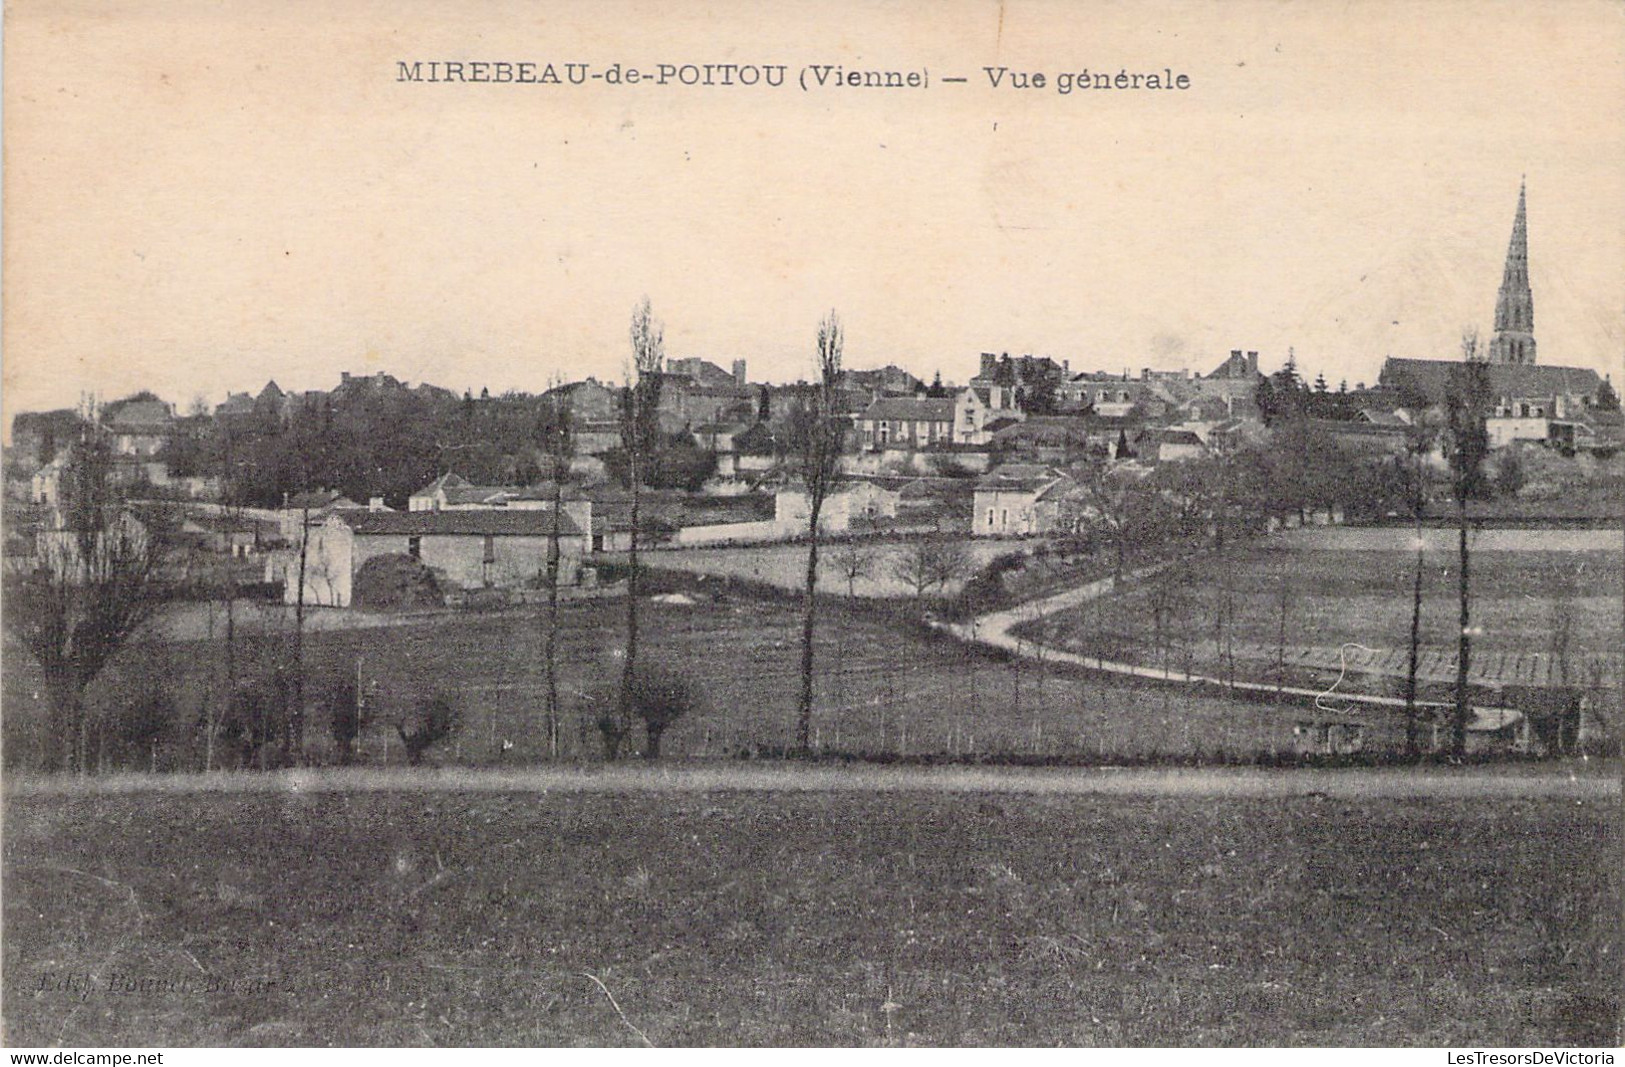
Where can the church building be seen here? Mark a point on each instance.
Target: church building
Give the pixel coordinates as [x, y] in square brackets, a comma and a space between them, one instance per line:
[1551, 404]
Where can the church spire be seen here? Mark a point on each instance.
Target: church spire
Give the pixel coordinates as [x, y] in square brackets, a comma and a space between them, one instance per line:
[1514, 340]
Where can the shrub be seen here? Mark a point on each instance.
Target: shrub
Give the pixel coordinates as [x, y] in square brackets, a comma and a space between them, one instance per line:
[256, 717]
[394, 582]
[435, 719]
[141, 727]
[659, 698]
[345, 715]
[1509, 475]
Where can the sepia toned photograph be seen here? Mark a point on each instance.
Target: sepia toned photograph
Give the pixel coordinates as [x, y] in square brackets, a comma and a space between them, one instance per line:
[877, 524]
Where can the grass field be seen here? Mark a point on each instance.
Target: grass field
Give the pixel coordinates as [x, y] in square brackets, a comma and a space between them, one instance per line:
[785, 565]
[793, 919]
[885, 687]
[1324, 596]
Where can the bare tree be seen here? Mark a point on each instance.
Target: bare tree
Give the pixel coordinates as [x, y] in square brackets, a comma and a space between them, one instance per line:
[1419, 441]
[1283, 602]
[1224, 624]
[1467, 407]
[820, 454]
[293, 741]
[1168, 598]
[95, 581]
[558, 445]
[931, 563]
[1562, 584]
[639, 436]
[232, 517]
[1112, 499]
[854, 559]
[346, 714]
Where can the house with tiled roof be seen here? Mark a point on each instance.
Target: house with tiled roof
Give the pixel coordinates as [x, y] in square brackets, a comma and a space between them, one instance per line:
[313, 507]
[452, 492]
[910, 423]
[1043, 439]
[853, 505]
[236, 407]
[1022, 499]
[1173, 444]
[686, 402]
[705, 373]
[139, 428]
[1106, 394]
[890, 380]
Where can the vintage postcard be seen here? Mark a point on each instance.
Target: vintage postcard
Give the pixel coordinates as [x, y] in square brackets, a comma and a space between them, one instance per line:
[871, 523]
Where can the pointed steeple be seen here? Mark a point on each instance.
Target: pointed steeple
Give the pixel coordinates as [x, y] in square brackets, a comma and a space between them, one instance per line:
[1514, 340]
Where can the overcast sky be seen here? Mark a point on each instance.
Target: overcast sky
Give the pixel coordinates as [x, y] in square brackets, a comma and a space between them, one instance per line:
[201, 196]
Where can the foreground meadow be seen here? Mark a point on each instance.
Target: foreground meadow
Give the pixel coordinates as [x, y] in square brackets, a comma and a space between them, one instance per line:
[909, 918]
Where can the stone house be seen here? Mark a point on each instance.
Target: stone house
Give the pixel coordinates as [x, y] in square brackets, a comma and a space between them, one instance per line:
[595, 412]
[916, 422]
[854, 505]
[1022, 499]
[139, 428]
[1174, 444]
[465, 550]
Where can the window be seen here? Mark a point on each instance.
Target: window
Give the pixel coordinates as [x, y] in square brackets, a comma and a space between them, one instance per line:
[490, 548]
[414, 547]
[990, 518]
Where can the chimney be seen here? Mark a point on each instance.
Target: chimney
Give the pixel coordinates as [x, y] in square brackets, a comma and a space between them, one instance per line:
[375, 503]
[989, 362]
[1066, 367]
[1145, 374]
[1252, 362]
[740, 378]
[344, 375]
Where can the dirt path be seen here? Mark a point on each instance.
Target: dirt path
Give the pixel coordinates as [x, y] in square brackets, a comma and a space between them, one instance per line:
[1490, 667]
[996, 629]
[1583, 780]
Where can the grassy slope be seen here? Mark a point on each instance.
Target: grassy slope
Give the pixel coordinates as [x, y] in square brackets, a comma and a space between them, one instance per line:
[1366, 597]
[883, 687]
[796, 919]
